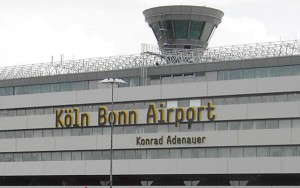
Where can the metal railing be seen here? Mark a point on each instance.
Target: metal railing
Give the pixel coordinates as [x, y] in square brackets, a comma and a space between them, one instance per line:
[152, 56]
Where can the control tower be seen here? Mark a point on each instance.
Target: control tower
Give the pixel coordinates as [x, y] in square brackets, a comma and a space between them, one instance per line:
[183, 27]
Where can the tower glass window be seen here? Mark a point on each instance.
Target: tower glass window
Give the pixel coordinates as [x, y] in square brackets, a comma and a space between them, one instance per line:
[195, 29]
[181, 28]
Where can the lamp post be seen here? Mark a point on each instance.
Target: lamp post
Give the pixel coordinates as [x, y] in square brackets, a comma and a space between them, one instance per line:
[112, 82]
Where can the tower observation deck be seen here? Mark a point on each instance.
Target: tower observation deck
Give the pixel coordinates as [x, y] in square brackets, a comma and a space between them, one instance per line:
[183, 27]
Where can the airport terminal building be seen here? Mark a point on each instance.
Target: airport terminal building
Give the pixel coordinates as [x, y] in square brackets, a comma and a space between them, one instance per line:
[187, 115]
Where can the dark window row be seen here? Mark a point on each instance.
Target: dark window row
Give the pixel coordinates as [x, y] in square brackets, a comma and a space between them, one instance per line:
[144, 129]
[216, 152]
[259, 72]
[246, 99]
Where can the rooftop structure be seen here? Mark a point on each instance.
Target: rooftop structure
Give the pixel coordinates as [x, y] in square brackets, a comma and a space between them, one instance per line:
[152, 56]
[183, 27]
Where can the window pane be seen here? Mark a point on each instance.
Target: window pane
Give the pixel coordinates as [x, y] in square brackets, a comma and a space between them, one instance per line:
[275, 151]
[152, 154]
[235, 74]
[73, 86]
[97, 130]
[26, 157]
[195, 29]
[221, 126]
[285, 124]
[17, 157]
[259, 124]
[296, 70]
[242, 100]
[211, 152]
[37, 133]
[35, 89]
[289, 151]
[66, 156]
[236, 152]
[250, 152]
[224, 152]
[296, 123]
[76, 155]
[46, 88]
[272, 124]
[97, 155]
[184, 103]
[263, 152]
[140, 154]
[129, 154]
[87, 155]
[187, 153]
[285, 71]
[176, 153]
[54, 87]
[19, 134]
[268, 98]
[106, 155]
[57, 132]
[273, 72]
[2, 91]
[47, 133]
[199, 153]
[26, 89]
[234, 125]
[64, 87]
[181, 28]
[163, 154]
[18, 90]
[261, 72]
[28, 134]
[248, 73]
[255, 99]
[36, 156]
[46, 156]
[247, 125]
[206, 33]
[9, 91]
[281, 98]
[56, 156]
[209, 126]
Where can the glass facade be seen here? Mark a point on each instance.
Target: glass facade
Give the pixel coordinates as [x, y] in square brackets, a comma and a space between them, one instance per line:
[217, 152]
[259, 72]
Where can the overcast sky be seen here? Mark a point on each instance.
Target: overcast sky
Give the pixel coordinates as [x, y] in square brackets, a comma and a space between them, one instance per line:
[31, 31]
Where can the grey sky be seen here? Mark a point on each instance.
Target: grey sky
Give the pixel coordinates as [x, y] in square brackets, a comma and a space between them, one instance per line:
[31, 31]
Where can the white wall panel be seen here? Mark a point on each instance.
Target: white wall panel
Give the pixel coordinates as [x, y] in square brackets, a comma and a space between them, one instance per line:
[23, 168]
[17, 122]
[273, 110]
[40, 121]
[100, 167]
[278, 84]
[75, 143]
[295, 135]
[291, 165]
[265, 137]
[231, 112]
[202, 166]
[56, 98]
[263, 165]
[64, 168]
[197, 89]
[254, 165]
[152, 92]
[35, 144]
[232, 87]
[20, 101]
[8, 145]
